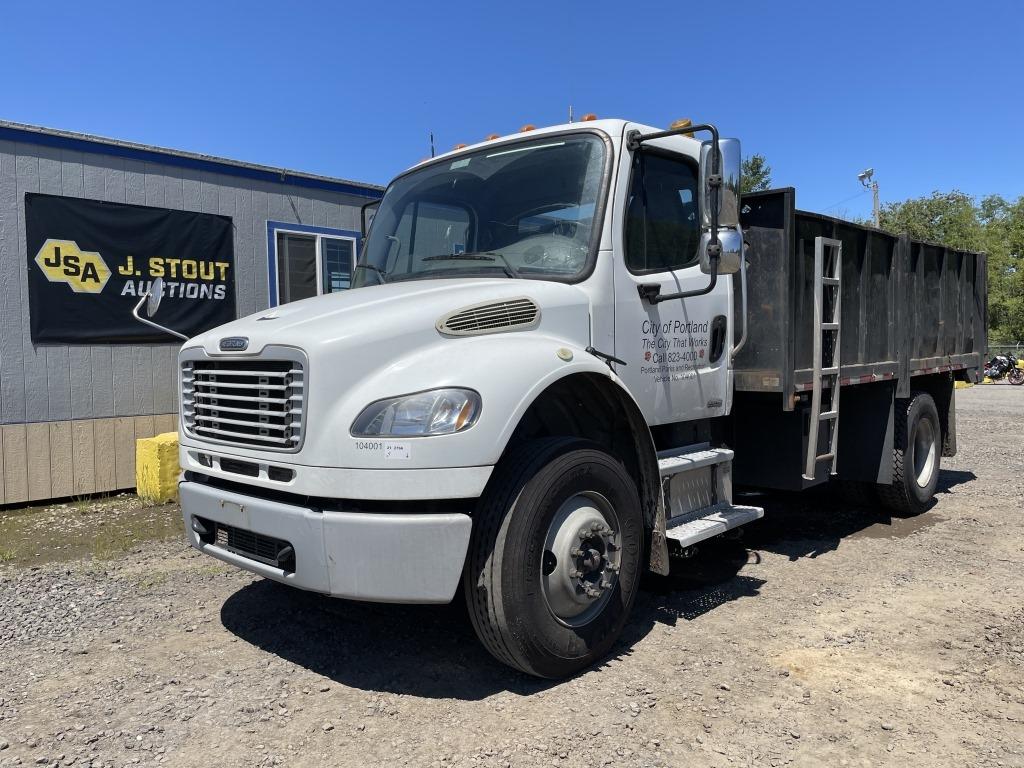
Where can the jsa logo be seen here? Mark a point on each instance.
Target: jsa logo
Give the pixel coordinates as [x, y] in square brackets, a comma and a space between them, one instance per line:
[63, 262]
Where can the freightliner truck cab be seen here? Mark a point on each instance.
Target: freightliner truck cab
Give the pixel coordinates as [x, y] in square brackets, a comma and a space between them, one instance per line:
[516, 400]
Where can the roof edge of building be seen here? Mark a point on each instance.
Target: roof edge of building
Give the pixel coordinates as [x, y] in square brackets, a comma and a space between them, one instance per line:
[84, 142]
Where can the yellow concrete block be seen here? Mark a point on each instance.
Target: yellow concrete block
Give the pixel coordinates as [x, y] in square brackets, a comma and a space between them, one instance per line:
[156, 467]
[962, 384]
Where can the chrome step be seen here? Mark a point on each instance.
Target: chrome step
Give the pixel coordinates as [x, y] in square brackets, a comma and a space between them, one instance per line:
[684, 460]
[710, 521]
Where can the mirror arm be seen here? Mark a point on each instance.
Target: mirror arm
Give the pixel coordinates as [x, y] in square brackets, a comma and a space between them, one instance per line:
[141, 319]
[651, 292]
[633, 141]
[362, 215]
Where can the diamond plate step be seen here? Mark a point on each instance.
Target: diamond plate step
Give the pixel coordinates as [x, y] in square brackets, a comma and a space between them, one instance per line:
[672, 463]
[710, 521]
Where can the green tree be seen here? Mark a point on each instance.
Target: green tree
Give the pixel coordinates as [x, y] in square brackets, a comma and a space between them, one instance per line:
[950, 218]
[756, 174]
[994, 226]
[1003, 241]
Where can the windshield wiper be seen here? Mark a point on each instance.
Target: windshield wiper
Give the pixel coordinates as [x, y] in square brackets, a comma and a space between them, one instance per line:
[380, 272]
[476, 256]
[460, 257]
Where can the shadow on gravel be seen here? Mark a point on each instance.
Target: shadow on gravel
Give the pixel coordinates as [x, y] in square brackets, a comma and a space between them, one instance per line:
[432, 651]
[696, 585]
[812, 523]
[950, 478]
[428, 650]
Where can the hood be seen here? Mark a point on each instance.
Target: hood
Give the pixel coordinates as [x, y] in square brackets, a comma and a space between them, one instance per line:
[363, 318]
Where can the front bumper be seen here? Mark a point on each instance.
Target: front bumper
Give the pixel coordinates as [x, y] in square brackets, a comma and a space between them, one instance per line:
[396, 558]
[338, 482]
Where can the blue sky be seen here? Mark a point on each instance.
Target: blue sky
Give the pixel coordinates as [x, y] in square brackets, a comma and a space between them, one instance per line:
[929, 94]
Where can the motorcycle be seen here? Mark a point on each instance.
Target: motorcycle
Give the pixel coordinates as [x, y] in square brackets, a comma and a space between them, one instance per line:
[1005, 366]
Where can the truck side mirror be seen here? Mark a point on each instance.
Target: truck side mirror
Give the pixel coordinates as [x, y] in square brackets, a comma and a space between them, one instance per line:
[729, 191]
[731, 243]
[727, 201]
[154, 296]
[151, 298]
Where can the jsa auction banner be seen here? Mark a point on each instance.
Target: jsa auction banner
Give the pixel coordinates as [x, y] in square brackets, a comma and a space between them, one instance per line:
[89, 262]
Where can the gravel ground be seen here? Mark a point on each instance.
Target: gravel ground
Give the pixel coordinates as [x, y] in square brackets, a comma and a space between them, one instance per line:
[829, 635]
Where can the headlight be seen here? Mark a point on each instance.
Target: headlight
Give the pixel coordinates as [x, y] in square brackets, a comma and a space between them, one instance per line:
[435, 412]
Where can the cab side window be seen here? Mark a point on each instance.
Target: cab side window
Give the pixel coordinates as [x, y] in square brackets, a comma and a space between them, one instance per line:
[662, 222]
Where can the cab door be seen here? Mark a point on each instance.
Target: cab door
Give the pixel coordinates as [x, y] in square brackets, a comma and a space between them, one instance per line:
[676, 351]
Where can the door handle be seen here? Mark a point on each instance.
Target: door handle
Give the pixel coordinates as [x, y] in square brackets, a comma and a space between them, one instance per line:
[718, 326]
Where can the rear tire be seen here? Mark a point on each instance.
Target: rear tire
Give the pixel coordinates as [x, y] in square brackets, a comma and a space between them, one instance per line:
[916, 452]
[529, 597]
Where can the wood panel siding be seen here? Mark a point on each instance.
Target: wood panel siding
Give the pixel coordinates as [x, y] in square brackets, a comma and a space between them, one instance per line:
[59, 459]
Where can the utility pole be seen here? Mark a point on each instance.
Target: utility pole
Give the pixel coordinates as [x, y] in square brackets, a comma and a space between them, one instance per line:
[866, 177]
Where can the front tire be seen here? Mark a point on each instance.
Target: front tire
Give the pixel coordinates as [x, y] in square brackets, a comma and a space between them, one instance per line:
[1016, 376]
[555, 558]
[916, 454]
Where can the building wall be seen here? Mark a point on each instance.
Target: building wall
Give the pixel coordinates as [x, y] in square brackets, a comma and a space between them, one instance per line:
[86, 390]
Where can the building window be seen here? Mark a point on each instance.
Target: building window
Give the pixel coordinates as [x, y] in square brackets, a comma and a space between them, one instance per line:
[308, 261]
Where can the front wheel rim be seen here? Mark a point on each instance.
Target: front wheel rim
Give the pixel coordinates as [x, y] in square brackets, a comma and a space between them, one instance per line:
[925, 452]
[582, 556]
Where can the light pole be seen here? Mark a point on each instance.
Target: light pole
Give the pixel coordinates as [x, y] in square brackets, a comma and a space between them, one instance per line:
[866, 178]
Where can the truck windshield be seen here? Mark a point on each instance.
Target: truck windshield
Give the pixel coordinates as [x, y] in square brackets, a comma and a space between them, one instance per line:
[525, 210]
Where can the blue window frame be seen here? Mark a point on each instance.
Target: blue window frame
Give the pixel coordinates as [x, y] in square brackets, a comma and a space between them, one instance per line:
[305, 261]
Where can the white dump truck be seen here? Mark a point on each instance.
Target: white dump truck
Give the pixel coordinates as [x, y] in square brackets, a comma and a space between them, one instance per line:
[562, 349]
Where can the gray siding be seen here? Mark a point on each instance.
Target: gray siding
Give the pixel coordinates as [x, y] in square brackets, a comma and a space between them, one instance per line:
[63, 382]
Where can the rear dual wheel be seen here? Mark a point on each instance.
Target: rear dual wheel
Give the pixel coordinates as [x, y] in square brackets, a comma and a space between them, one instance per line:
[554, 561]
[917, 450]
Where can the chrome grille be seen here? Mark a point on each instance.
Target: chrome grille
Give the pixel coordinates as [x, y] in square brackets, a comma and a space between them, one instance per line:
[510, 315]
[255, 403]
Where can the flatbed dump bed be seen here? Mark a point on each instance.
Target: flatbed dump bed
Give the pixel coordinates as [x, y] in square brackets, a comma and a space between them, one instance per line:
[908, 308]
[911, 318]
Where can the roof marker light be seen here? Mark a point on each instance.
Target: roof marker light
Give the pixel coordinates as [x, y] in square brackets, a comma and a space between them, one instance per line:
[460, 146]
[528, 127]
[588, 117]
[492, 136]
[683, 122]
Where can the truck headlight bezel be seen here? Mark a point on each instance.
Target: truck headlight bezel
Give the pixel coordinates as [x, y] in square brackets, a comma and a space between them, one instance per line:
[427, 413]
